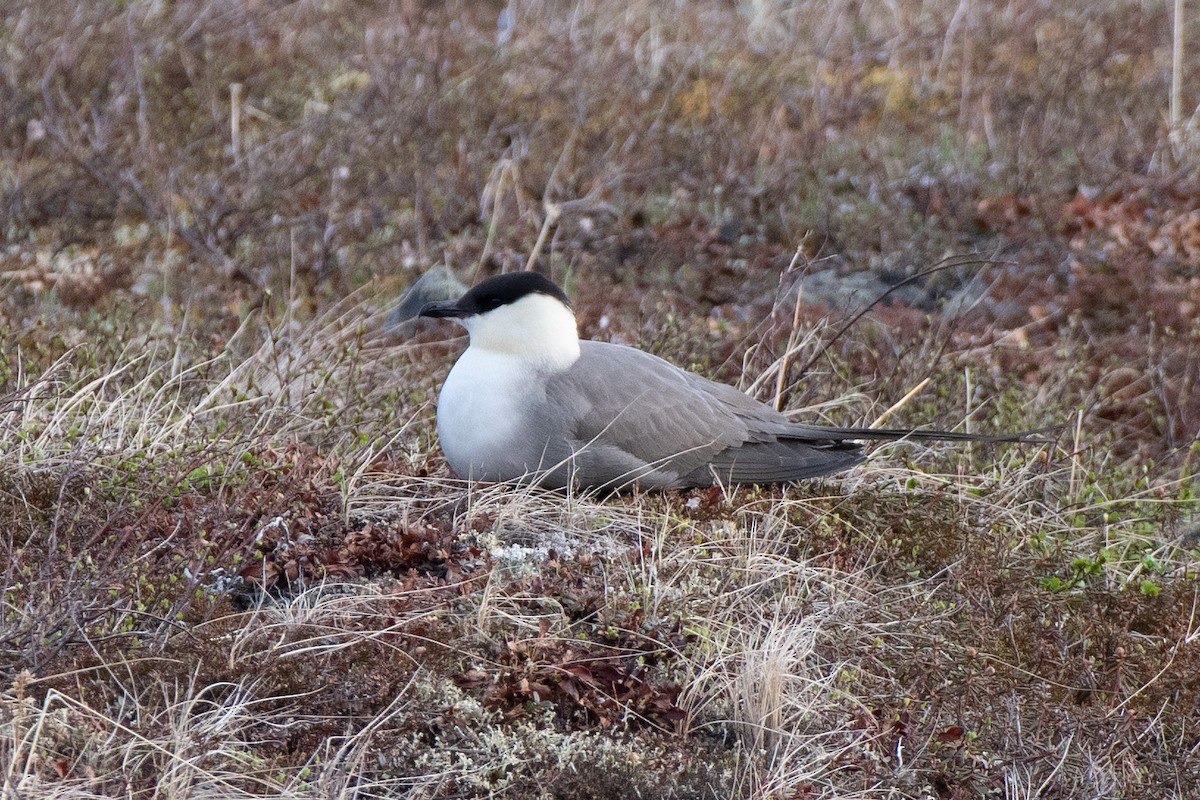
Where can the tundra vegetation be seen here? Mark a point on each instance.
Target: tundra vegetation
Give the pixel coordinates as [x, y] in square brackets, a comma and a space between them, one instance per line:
[234, 564]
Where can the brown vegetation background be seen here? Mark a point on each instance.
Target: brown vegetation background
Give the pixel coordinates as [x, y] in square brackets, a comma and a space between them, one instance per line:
[235, 565]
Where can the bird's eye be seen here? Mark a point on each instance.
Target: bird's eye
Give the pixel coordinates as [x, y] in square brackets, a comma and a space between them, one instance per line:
[489, 302]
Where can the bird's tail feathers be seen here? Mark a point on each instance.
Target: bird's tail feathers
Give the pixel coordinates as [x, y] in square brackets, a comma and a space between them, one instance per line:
[892, 434]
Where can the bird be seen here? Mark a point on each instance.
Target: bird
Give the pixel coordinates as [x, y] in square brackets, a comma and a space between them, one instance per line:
[528, 401]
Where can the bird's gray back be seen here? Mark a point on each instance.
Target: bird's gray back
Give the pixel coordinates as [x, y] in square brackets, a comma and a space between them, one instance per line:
[633, 417]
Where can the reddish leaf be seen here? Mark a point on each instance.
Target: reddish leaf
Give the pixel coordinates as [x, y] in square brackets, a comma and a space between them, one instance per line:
[952, 734]
[472, 679]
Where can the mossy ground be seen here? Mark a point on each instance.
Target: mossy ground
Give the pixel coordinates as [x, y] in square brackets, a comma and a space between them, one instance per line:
[234, 563]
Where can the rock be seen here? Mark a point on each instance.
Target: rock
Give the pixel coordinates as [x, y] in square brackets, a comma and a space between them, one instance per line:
[436, 284]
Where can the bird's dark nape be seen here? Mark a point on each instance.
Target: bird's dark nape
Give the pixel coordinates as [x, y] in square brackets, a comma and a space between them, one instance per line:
[494, 293]
[509, 288]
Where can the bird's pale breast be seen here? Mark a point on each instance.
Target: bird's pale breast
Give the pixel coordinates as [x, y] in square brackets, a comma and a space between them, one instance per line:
[481, 417]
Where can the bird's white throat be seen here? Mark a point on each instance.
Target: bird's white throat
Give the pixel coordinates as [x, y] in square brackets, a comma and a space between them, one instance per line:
[537, 330]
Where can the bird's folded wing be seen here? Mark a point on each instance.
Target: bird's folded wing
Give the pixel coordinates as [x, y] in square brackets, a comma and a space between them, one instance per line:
[635, 411]
[650, 410]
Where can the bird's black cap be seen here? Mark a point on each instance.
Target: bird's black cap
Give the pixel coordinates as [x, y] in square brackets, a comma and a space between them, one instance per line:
[495, 292]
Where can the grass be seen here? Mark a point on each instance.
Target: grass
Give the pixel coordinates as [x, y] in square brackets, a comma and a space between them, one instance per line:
[235, 565]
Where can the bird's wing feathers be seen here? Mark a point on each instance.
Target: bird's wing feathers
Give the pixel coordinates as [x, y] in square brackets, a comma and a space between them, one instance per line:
[715, 431]
[626, 403]
[639, 418]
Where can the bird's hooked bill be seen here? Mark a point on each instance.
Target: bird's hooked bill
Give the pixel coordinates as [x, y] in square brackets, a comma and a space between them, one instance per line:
[448, 310]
